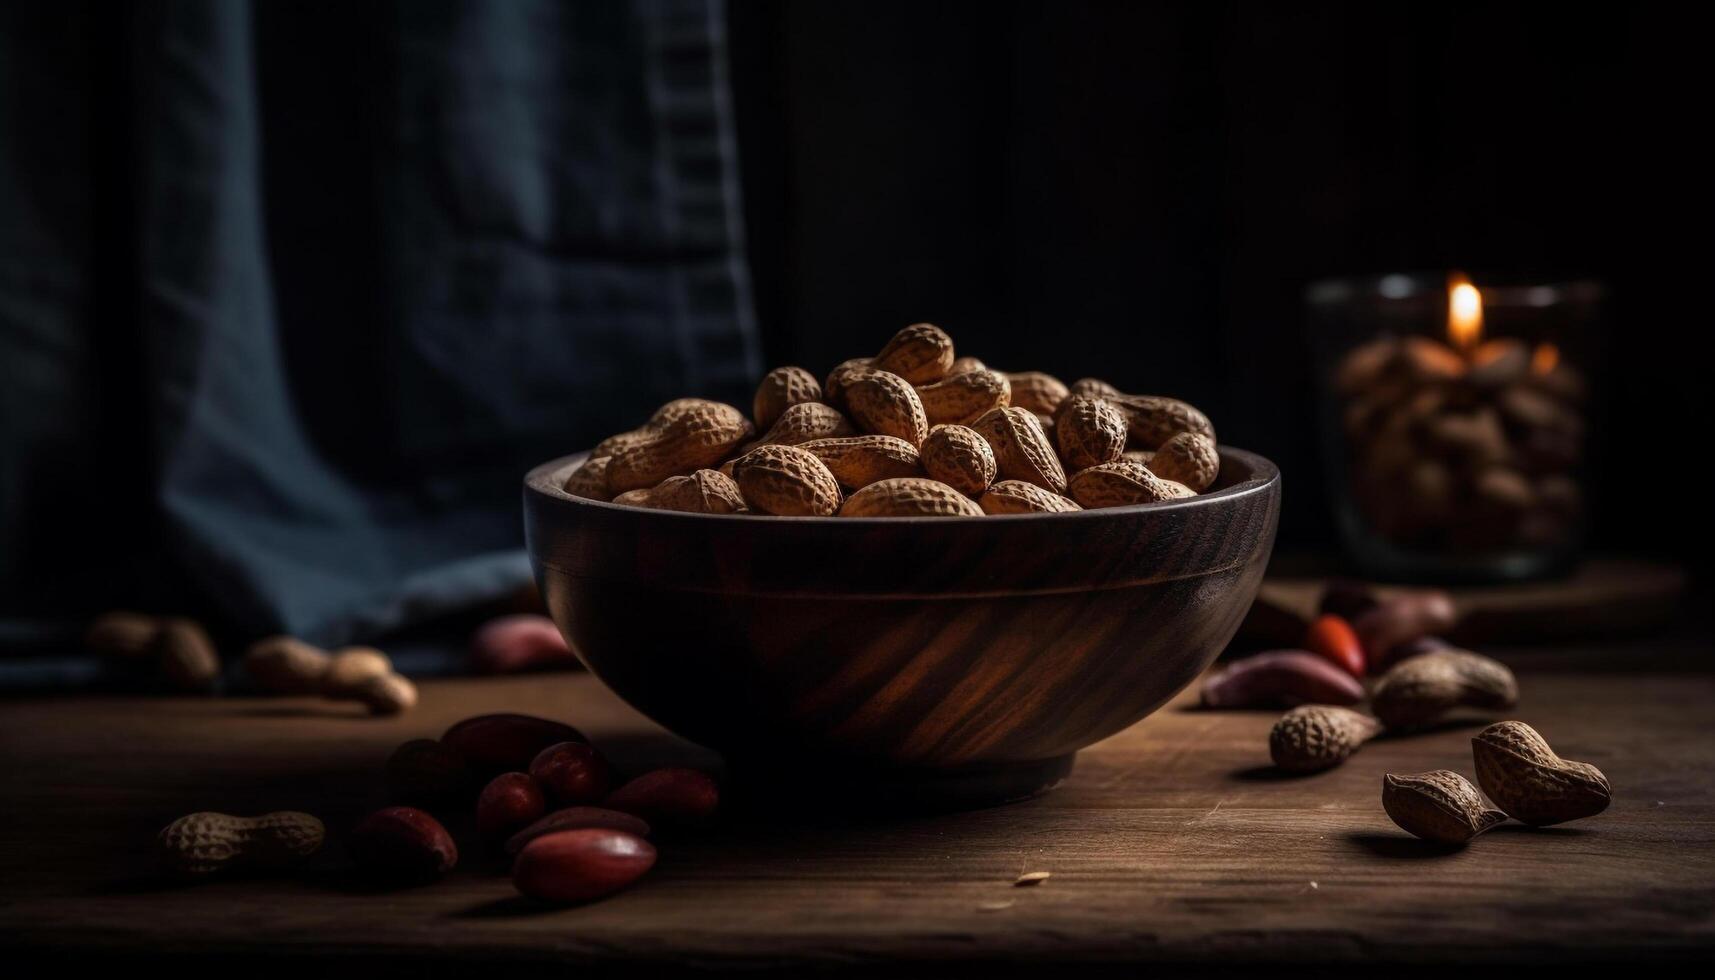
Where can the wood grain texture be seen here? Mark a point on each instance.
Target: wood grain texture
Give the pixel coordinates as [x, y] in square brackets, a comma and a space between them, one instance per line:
[932, 645]
[1172, 842]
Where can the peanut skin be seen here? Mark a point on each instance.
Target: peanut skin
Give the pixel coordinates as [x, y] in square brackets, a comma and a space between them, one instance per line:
[1280, 678]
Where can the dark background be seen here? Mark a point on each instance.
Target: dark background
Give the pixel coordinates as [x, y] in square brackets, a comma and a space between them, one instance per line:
[1142, 191]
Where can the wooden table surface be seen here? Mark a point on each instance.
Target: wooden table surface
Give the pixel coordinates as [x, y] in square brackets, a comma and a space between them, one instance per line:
[1172, 841]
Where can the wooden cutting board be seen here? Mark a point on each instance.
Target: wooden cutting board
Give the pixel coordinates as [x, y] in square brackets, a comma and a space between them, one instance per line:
[1602, 598]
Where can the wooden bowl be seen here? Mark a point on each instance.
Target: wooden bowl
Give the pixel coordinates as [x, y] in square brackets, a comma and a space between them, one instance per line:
[908, 661]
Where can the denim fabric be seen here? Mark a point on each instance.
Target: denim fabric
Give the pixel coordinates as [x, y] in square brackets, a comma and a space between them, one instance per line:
[292, 294]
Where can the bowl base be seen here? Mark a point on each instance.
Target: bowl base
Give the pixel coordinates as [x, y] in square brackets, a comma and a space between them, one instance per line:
[841, 790]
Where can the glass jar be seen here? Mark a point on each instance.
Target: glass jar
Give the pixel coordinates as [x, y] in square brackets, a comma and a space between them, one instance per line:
[1453, 419]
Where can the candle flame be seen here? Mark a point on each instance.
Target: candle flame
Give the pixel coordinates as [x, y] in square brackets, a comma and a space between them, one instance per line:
[1464, 313]
[1543, 360]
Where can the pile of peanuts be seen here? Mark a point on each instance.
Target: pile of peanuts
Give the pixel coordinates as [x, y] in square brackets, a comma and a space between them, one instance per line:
[1463, 453]
[912, 432]
[533, 793]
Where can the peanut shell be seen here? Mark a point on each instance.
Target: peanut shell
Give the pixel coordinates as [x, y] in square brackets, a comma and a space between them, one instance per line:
[1089, 431]
[858, 461]
[803, 422]
[1314, 737]
[780, 389]
[1422, 689]
[1021, 449]
[702, 436]
[909, 497]
[1440, 806]
[1018, 497]
[1121, 484]
[959, 457]
[921, 354]
[1189, 458]
[703, 492]
[883, 403]
[963, 398]
[1037, 392]
[787, 481]
[589, 480]
[1530, 783]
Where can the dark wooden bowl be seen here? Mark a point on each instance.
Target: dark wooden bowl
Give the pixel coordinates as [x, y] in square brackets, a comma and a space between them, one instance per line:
[909, 660]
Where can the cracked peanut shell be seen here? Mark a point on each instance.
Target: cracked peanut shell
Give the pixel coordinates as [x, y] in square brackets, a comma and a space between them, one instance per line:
[1440, 806]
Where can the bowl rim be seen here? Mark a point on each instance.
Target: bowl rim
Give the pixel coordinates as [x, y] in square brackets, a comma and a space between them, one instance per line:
[1264, 476]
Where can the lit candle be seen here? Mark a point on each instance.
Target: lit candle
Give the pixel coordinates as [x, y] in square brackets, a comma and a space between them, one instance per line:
[1464, 314]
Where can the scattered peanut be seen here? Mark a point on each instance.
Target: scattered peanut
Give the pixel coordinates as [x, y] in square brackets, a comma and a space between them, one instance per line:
[1314, 737]
[520, 642]
[962, 365]
[187, 656]
[572, 773]
[675, 798]
[577, 818]
[350, 669]
[286, 665]
[1424, 688]
[959, 457]
[209, 843]
[1280, 678]
[1400, 619]
[493, 744]
[510, 802]
[1532, 784]
[126, 635]
[388, 694]
[581, 865]
[909, 497]
[1440, 806]
[1333, 637]
[403, 844]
